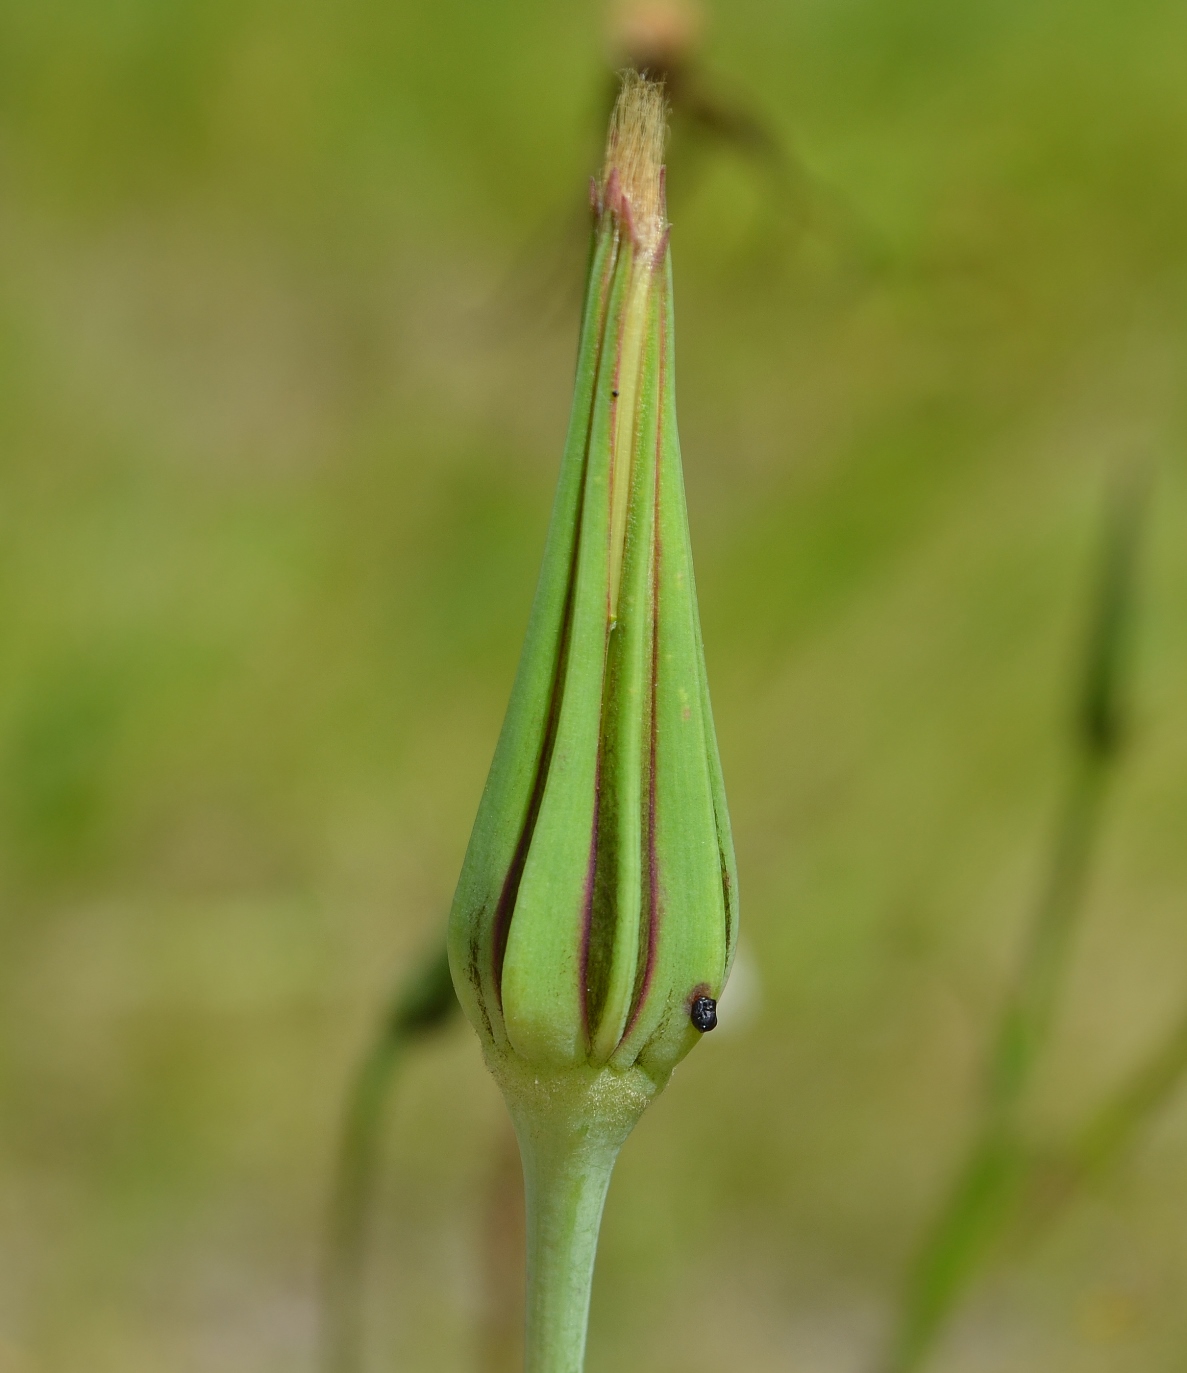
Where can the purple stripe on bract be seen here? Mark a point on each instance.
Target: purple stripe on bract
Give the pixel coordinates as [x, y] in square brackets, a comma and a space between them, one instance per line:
[588, 896]
[653, 911]
[510, 889]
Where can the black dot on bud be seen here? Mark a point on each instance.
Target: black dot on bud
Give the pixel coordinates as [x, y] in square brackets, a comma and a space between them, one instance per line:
[704, 1014]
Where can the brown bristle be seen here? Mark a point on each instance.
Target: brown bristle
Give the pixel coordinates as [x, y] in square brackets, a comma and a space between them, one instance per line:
[635, 155]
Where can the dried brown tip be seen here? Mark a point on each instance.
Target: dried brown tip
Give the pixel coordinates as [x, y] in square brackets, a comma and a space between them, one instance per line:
[654, 34]
[632, 178]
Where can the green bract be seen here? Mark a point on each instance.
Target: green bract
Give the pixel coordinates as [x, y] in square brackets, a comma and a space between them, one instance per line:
[598, 897]
[597, 902]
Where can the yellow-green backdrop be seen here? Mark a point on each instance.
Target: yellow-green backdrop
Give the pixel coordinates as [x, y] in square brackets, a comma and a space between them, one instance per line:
[287, 322]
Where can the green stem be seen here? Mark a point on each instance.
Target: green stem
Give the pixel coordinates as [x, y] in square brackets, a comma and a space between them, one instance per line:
[345, 1266]
[986, 1193]
[565, 1182]
[423, 1003]
[571, 1125]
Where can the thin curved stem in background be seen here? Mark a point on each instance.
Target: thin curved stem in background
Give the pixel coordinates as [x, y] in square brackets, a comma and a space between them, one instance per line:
[998, 1163]
[1054, 1179]
[421, 1005]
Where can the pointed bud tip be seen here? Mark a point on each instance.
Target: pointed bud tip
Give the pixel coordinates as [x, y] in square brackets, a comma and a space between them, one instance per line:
[635, 156]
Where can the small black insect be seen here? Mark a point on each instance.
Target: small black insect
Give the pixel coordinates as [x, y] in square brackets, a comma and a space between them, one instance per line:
[704, 1014]
[614, 394]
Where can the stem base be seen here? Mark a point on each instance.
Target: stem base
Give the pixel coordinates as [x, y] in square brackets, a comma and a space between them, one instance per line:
[571, 1123]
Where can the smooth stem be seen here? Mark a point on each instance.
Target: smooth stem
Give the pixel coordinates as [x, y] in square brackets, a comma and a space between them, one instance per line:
[571, 1123]
[565, 1185]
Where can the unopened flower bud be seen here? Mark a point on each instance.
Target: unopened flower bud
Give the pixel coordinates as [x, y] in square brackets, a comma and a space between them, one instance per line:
[597, 901]
[595, 918]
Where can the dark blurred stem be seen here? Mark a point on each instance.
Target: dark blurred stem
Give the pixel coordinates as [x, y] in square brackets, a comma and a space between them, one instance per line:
[1026, 1020]
[988, 1185]
[354, 1189]
[421, 1004]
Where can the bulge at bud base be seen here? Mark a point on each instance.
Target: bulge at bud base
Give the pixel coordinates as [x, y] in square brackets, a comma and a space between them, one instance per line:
[597, 902]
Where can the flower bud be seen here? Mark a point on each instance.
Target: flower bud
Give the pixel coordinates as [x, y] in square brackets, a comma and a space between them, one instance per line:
[595, 917]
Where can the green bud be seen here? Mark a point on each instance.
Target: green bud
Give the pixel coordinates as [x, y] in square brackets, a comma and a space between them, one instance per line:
[597, 903]
[597, 900]
[596, 915]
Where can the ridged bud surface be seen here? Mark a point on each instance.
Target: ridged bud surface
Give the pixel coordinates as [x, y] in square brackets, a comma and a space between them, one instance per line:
[597, 902]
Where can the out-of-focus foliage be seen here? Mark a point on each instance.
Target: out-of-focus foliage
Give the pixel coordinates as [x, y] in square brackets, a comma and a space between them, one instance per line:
[285, 348]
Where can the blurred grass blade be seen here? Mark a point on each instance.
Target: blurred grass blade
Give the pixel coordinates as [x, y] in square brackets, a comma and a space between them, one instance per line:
[1113, 1128]
[421, 1005]
[1099, 731]
[1055, 1180]
[988, 1186]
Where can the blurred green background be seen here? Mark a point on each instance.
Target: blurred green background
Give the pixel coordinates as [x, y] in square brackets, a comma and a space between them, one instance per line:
[288, 305]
